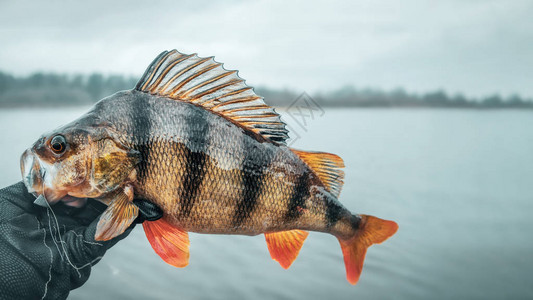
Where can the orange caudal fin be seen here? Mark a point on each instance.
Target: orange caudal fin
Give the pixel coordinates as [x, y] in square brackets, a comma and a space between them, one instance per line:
[284, 246]
[371, 231]
[169, 242]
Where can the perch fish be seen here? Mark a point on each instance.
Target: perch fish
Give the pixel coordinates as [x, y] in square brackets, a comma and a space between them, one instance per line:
[194, 139]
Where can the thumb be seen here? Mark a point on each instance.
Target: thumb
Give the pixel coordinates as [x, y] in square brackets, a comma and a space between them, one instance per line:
[83, 249]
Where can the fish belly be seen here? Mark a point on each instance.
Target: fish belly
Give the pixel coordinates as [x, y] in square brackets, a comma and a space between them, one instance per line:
[260, 194]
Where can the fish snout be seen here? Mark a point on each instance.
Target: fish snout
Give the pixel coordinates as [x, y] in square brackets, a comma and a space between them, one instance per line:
[30, 170]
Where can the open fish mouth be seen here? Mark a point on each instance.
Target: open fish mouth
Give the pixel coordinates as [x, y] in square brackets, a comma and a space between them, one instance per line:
[33, 176]
[32, 173]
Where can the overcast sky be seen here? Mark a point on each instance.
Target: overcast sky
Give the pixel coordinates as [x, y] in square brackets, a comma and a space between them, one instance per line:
[475, 47]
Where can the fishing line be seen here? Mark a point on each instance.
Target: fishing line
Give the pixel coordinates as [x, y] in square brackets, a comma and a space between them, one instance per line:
[52, 235]
[51, 258]
[49, 208]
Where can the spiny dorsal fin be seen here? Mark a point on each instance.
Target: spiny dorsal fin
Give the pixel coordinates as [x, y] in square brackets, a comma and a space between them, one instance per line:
[205, 82]
[328, 168]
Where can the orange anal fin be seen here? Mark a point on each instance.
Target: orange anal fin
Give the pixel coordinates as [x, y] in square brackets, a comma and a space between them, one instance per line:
[284, 246]
[169, 242]
[372, 231]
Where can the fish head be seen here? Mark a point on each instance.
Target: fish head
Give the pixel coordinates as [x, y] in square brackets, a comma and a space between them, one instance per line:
[56, 164]
[74, 162]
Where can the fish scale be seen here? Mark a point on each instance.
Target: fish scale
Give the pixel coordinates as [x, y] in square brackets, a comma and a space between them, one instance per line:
[236, 183]
[195, 140]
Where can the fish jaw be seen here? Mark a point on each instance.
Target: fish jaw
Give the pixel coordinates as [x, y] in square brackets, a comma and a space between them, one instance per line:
[30, 170]
[37, 177]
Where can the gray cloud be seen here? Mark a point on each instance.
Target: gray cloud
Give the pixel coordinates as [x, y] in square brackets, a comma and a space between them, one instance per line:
[476, 47]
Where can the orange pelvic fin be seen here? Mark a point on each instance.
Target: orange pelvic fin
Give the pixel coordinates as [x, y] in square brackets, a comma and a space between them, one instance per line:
[372, 231]
[327, 166]
[118, 216]
[284, 246]
[169, 242]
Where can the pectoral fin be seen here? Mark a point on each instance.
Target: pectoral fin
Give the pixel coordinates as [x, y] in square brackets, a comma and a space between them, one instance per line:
[169, 242]
[117, 217]
[284, 246]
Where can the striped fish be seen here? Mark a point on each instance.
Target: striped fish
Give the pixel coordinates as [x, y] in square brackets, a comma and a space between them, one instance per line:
[194, 139]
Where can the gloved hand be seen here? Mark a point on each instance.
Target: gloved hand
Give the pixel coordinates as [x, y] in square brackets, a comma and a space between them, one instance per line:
[46, 253]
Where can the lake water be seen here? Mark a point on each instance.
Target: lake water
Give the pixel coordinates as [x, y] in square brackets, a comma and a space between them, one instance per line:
[458, 182]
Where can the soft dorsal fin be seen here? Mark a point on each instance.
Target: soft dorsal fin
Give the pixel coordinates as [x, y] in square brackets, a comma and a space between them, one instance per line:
[328, 168]
[205, 82]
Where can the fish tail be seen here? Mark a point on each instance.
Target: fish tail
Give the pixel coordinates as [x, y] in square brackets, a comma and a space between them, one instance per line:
[371, 231]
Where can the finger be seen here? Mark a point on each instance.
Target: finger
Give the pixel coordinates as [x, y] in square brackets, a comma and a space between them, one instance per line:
[148, 211]
[83, 249]
[18, 195]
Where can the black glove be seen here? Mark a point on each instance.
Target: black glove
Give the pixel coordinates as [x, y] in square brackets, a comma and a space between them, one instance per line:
[46, 253]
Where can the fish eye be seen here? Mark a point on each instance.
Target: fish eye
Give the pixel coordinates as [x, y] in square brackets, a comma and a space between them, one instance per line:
[58, 144]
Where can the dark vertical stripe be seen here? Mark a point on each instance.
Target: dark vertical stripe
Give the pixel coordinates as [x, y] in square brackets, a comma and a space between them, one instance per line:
[299, 194]
[192, 179]
[141, 132]
[252, 181]
[195, 161]
[333, 213]
[355, 220]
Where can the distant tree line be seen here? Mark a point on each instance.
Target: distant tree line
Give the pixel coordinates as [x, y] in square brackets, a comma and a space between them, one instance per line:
[349, 96]
[44, 89]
